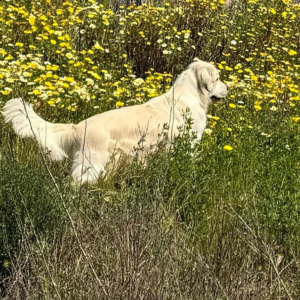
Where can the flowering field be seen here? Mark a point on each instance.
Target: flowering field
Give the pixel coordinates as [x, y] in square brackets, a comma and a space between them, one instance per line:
[219, 221]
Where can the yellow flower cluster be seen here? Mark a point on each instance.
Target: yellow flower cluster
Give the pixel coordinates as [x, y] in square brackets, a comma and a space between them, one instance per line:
[83, 54]
[49, 63]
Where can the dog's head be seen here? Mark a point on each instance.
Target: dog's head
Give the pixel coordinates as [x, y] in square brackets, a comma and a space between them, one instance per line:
[208, 80]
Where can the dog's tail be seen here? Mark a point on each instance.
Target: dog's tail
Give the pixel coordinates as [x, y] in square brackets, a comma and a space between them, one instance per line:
[58, 139]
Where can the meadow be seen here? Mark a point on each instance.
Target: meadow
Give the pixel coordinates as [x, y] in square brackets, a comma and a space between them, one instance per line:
[220, 220]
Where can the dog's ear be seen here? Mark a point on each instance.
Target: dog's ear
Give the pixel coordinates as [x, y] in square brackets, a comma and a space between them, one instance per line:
[206, 79]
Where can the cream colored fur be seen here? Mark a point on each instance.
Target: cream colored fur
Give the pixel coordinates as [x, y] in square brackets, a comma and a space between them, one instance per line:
[91, 143]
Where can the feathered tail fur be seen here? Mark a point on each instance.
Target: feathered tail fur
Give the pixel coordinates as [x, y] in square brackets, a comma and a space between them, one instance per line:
[59, 139]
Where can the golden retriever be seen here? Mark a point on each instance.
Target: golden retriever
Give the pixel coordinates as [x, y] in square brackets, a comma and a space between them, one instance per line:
[91, 143]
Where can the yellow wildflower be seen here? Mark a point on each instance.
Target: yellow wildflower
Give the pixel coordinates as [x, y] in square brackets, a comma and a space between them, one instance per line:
[36, 92]
[51, 102]
[228, 148]
[70, 79]
[292, 52]
[31, 20]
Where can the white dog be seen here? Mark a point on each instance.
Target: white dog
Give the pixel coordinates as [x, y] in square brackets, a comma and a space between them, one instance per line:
[91, 143]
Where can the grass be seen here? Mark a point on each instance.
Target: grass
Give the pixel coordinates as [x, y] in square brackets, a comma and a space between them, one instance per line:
[196, 222]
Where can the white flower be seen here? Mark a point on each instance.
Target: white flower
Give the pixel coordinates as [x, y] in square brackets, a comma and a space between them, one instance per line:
[107, 76]
[233, 42]
[44, 96]
[22, 57]
[164, 45]
[69, 55]
[89, 81]
[208, 131]
[23, 79]
[138, 81]
[58, 32]
[26, 74]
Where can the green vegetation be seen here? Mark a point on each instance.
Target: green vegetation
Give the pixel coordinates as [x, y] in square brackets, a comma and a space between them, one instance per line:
[219, 220]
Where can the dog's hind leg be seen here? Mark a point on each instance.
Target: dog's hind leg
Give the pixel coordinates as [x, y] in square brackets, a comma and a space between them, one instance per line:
[88, 168]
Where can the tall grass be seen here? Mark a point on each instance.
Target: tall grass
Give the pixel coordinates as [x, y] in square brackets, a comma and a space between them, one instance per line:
[195, 222]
